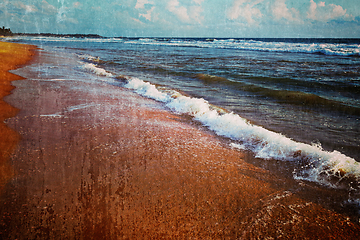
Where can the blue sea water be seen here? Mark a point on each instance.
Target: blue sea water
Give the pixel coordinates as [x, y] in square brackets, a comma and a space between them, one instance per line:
[289, 100]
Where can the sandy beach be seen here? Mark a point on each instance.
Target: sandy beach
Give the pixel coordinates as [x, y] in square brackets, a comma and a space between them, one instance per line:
[12, 56]
[90, 160]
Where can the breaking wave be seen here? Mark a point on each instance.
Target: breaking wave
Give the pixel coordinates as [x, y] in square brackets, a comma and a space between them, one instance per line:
[315, 164]
[264, 45]
[312, 162]
[94, 69]
[344, 47]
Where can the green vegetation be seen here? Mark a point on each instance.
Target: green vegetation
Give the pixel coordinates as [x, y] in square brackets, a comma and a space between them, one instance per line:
[5, 31]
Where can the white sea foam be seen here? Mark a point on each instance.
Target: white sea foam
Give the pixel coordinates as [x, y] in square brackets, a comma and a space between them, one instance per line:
[318, 48]
[146, 89]
[80, 106]
[88, 57]
[55, 115]
[318, 165]
[338, 49]
[98, 71]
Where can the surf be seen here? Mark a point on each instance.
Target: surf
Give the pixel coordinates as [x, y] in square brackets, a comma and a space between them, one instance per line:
[311, 162]
[332, 169]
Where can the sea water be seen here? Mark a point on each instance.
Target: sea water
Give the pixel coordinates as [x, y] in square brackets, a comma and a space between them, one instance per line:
[293, 101]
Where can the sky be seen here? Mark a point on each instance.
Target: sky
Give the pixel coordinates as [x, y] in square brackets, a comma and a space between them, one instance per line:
[185, 18]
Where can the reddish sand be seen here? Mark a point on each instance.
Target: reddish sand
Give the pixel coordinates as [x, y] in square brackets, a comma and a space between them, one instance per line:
[99, 162]
[12, 56]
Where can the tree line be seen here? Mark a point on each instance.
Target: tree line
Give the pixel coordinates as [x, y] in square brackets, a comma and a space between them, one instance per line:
[5, 31]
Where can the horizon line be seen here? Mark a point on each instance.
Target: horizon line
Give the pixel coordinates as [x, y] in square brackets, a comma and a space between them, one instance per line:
[95, 35]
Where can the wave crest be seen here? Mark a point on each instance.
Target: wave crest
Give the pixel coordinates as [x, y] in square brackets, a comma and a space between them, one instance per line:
[314, 164]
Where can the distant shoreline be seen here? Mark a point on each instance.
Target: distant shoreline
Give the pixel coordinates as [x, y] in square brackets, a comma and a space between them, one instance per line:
[59, 35]
[210, 39]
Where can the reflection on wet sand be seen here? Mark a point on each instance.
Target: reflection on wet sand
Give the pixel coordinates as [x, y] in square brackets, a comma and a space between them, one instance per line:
[11, 56]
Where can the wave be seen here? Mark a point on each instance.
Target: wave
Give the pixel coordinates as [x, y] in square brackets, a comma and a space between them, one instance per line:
[312, 162]
[66, 39]
[322, 48]
[346, 86]
[333, 47]
[286, 96]
[91, 65]
[211, 78]
[94, 69]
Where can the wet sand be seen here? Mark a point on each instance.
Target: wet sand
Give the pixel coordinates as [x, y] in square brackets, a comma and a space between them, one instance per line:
[12, 56]
[96, 161]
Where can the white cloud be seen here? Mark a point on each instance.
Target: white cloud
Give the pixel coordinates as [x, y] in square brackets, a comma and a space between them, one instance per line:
[191, 14]
[47, 8]
[312, 10]
[322, 12]
[77, 4]
[30, 9]
[180, 11]
[148, 14]
[337, 11]
[141, 4]
[198, 1]
[280, 10]
[245, 9]
[27, 8]
[137, 21]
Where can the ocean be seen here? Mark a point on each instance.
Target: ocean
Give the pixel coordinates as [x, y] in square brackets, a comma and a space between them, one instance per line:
[291, 104]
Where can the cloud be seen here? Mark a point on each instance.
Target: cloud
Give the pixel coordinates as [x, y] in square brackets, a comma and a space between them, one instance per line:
[198, 1]
[182, 17]
[47, 8]
[245, 9]
[195, 13]
[281, 11]
[77, 4]
[180, 11]
[61, 15]
[324, 13]
[28, 8]
[190, 14]
[141, 4]
[137, 20]
[148, 14]
[72, 20]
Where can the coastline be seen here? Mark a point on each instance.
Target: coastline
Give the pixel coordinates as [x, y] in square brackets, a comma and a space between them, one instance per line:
[12, 56]
[98, 161]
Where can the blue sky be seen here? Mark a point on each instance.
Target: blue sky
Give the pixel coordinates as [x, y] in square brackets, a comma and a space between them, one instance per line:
[185, 18]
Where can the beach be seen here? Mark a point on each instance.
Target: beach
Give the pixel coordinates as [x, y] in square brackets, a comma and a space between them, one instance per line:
[11, 56]
[93, 160]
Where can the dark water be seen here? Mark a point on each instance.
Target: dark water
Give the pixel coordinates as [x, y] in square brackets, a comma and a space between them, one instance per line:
[301, 96]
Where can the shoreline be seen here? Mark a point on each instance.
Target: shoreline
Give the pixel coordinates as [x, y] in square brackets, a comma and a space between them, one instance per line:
[12, 56]
[99, 161]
